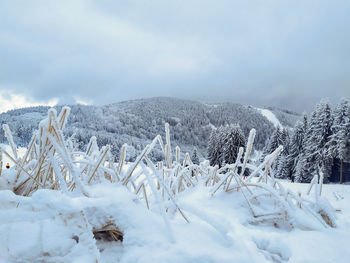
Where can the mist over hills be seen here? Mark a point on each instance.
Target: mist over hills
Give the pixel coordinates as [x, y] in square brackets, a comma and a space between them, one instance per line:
[137, 122]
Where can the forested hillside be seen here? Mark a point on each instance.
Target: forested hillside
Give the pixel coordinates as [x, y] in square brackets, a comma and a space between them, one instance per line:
[319, 143]
[137, 122]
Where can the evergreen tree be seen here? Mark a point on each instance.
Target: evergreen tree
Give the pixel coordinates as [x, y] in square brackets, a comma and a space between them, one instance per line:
[276, 139]
[315, 154]
[195, 158]
[220, 143]
[281, 165]
[296, 144]
[224, 145]
[213, 148]
[339, 140]
[301, 169]
[233, 139]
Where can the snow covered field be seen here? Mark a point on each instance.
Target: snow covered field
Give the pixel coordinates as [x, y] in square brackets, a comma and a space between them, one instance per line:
[50, 227]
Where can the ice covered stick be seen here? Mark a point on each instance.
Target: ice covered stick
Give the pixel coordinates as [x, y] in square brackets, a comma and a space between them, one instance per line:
[8, 135]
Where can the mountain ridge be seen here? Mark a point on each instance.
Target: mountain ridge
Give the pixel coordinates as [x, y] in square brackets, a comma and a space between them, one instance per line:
[136, 122]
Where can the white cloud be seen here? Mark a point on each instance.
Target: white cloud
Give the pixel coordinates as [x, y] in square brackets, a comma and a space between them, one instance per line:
[82, 101]
[9, 101]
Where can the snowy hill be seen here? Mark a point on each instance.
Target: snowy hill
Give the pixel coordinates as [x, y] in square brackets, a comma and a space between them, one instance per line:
[286, 117]
[137, 122]
[271, 117]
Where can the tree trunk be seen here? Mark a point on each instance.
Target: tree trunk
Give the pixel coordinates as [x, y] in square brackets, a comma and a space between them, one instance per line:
[341, 171]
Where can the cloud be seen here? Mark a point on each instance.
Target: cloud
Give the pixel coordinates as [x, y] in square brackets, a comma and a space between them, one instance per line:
[82, 102]
[10, 101]
[281, 53]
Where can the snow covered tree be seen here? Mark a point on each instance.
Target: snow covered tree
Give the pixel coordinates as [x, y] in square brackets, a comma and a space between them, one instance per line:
[279, 137]
[220, 143]
[301, 169]
[273, 142]
[233, 139]
[315, 154]
[296, 144]
[194, 157]
[281, 165]
[212, 150]
[215, 147]
[224, 144]
[339, 140]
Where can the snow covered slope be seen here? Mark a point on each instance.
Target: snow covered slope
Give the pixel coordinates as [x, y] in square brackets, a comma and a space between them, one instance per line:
[271, 117]
[137, 122]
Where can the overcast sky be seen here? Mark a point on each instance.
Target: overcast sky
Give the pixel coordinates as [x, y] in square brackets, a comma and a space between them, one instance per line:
[265, 52]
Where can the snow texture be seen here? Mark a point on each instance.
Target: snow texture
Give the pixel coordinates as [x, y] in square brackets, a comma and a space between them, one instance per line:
[45, 226]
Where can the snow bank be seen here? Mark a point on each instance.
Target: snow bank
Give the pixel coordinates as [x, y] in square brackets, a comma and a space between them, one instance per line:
[50, 226]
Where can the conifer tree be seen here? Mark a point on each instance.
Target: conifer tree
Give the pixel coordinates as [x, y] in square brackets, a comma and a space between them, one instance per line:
[272, 143]
[194, 157]
[296, 144]
[233, 139]
[301, 169]
[281, 165]
[212, 152]
[215, 147]
[224, 144]
[220, 144]
[340, 138]
[315, 154]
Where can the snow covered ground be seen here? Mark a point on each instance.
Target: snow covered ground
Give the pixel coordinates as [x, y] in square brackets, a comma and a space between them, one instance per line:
[50, 226]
